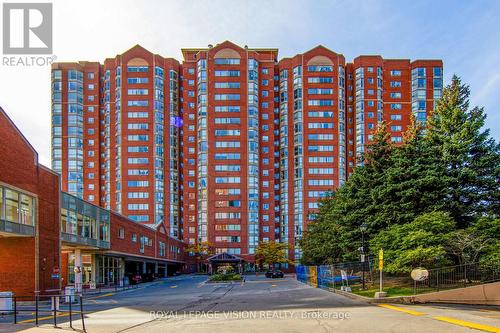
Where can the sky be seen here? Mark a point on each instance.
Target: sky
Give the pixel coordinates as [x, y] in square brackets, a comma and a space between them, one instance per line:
[464, 34]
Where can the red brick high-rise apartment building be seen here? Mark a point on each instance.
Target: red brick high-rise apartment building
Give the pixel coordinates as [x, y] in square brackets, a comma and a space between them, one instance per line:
[231, 146]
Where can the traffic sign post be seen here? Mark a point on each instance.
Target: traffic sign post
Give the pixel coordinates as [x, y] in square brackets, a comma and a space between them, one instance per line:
[381, 294]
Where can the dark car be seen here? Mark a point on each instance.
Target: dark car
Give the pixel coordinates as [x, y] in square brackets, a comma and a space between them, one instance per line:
[134, 278]
[274, 274]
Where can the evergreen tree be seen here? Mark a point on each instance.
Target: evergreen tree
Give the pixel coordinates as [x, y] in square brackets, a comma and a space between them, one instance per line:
[470, 156]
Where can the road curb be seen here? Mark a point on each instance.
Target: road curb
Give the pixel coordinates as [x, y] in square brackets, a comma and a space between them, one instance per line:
[392, 300]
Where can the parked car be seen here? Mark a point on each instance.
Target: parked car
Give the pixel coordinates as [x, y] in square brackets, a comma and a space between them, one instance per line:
[134, 278]
[275, 274]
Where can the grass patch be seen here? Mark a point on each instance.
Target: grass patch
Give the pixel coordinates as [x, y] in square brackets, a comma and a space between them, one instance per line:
[391, 291]
[225, 277]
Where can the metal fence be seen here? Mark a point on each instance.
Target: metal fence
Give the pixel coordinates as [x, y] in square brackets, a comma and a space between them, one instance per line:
[37, 308]
[85, 289]
[365, 275]
[458, 276]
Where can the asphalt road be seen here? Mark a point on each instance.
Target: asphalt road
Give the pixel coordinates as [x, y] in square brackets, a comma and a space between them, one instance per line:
[188, 304]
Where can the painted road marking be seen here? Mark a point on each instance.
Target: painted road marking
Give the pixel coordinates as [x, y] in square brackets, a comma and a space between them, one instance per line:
[43, 318]
[173, 286]
[101, 296]
[273, 285]
[491, 316]
[397, 308]
[469, 324]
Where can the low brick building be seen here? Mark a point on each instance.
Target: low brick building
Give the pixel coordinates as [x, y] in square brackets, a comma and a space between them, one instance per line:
[29, 215]
[50, 239]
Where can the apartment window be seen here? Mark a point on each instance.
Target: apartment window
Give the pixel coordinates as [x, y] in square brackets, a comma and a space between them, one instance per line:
[138, 206]
[138, 149]
[138, 183]
[395, 84]
[143, 137]
[232, 73]
[320, 79]
[227, 108]
[320, 171]
[162, 249]
[320, 102]
[396, 139]
[396, 128]
[230, 167]
[137, 195]
[137, 69]
[227, 85]
[321, 159]
[138, 92]
[320, 148]
[227, 180]
[320, 182]
[319, 125]
[138, 172]
[395, 95]
[227, 132]
[227, 120]
[139, 218]
[140, 160]
[134, 238]
[320, 68]
[137, 126]
[227, 97]
[137, 80]
[121, 233]
[395, 73]
[227, 61]
[318, 114]
[319, 91]
[396, 117]
[396, 106]
[137, 114]
[227, 156]
[227, 144]
[137, 103]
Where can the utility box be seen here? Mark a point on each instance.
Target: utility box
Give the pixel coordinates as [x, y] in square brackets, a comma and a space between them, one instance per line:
[69, 292]
[6, 305]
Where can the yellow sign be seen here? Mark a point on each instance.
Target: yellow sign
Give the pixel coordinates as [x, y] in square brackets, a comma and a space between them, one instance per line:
[380, 259]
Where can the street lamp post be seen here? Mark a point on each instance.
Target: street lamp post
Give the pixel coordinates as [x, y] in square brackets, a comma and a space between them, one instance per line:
[363, 258]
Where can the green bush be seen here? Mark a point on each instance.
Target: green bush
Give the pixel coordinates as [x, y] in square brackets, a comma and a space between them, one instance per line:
[225, 277]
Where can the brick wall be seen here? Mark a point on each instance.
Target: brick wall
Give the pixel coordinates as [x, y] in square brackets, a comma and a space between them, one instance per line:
[19, 169]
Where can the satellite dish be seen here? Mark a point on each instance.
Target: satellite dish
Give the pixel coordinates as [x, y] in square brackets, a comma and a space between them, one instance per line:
[419, 274]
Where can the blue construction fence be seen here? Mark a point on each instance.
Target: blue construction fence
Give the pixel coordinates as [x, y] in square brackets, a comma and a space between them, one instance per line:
[330, 276]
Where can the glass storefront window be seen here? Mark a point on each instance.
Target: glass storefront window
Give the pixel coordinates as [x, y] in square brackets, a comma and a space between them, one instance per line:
[83, 219]
[11, 206]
